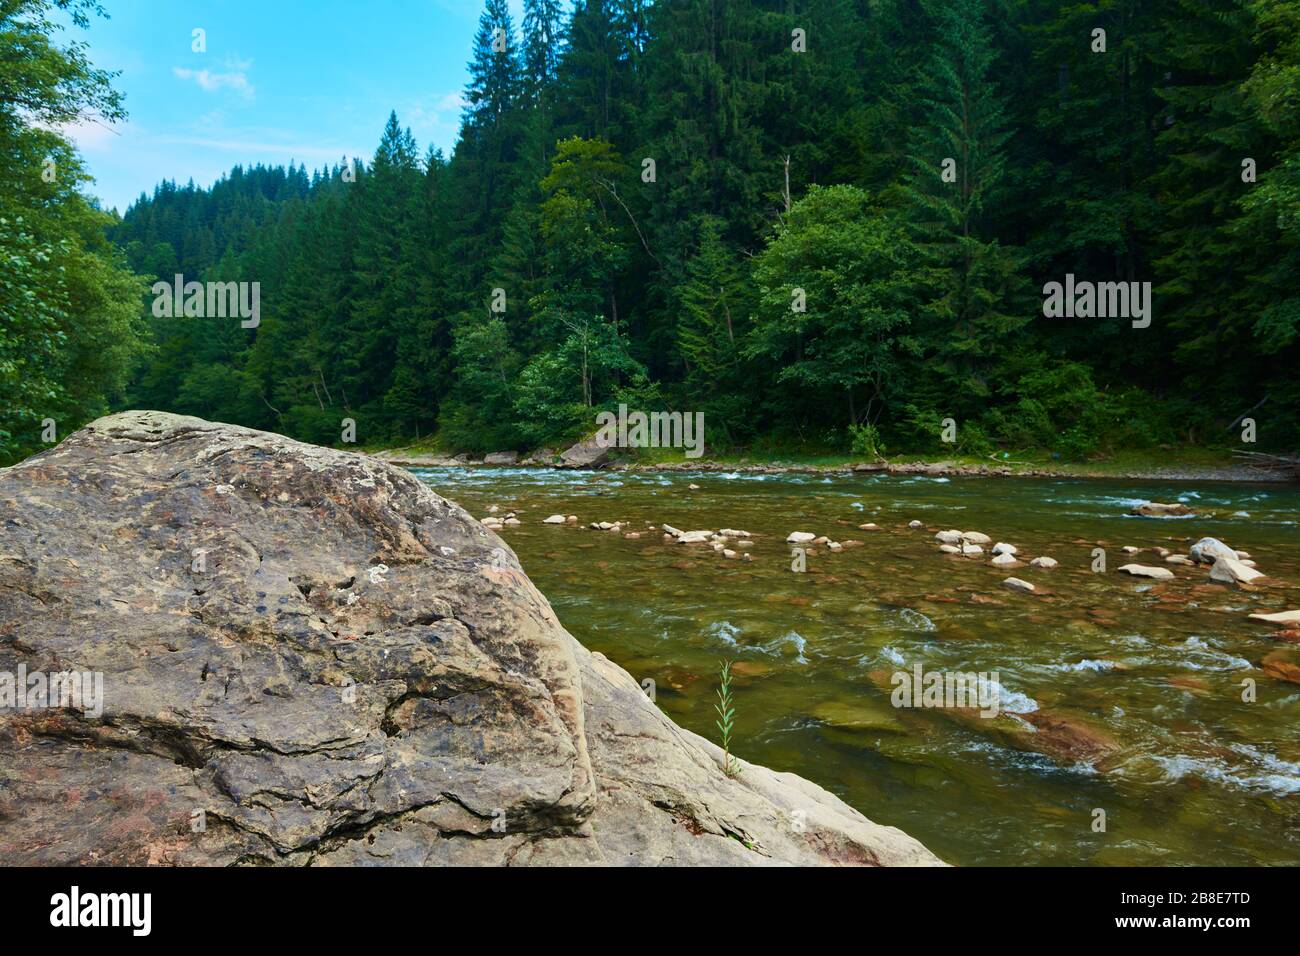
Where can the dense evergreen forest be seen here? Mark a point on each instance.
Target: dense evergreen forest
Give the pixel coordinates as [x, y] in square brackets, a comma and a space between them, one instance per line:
[823, 223]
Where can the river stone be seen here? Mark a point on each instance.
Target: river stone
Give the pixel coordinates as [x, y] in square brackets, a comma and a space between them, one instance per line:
[1155, 509]
[1044, 562]
[914, 523]
[1179, 559]
[1003, 548]
[1232, 571]
[1279, 617]
[1209, 550]
[1016, 584]
[321, 710]
[949, 549]
[975, 537]
[1146, 571]
[1004, 560]
[948, 537]
[587, 453]
[501, 458]
[800, 537]
[554, 519]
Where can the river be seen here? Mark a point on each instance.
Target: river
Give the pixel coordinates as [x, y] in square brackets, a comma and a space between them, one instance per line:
[1151, 755]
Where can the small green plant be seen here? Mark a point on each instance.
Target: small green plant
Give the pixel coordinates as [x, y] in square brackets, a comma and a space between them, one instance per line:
[726, 720]
[866, 441]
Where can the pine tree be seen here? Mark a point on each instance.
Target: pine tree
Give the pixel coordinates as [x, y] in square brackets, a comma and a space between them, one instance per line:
[969, 286]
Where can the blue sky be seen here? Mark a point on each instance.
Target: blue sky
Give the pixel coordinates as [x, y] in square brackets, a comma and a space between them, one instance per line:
[281, 80]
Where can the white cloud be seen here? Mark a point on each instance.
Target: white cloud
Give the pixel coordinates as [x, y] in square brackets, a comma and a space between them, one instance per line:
[299, 151]
[212, 82]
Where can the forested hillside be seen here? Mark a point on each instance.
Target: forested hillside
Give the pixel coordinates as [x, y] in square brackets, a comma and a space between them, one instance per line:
[823, 223]
[70, 325]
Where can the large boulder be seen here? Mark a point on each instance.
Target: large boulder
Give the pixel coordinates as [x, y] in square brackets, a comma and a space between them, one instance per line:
[309, 657]
[1209, 550]
[588, 453]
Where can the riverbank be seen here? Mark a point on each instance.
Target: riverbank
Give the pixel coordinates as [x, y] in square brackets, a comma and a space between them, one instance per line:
[1182, 465]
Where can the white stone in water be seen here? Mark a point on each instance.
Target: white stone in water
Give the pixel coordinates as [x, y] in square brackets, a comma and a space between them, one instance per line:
[728, 553]
[949, 549]
[975, 537]
[1004, 559]
[512, 521]
[869, 526]
[1145, 571]
[1278, 617]
[915, 524]
[1232, 571]
[800, 537]
[1208, 550]
[1003, 548]
[1242, 555]
[1018, 585]
[1129, 549]
[1178, 559]
[971, 550]
[949, 537]
[1044, 562]
[695, 537]
[554, 519]
[744, 544]
[835, 546]
[669, 529]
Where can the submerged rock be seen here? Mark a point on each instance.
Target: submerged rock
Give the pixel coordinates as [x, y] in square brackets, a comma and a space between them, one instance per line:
[335, 665]
[1147, 571]
[1155, 509]
[1016, 584]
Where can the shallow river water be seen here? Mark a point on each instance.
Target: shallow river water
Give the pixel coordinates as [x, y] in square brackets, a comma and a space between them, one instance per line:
[1118, 694]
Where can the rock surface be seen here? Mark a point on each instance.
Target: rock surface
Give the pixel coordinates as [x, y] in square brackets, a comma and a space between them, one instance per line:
[587, 453]
[501, 458]
[1156, 509]
[334, 665]
[1232, 571]
[1209, 550]
[1146, 571]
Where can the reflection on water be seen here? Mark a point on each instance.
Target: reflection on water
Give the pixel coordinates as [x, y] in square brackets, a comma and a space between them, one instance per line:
[1118, 693]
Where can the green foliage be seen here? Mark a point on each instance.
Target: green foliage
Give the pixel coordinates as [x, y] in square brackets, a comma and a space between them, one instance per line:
[726, 721]
[70, 330]
[670, 285]
[865, 441]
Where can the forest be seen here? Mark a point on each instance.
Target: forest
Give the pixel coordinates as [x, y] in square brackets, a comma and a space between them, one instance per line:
[824, 224]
